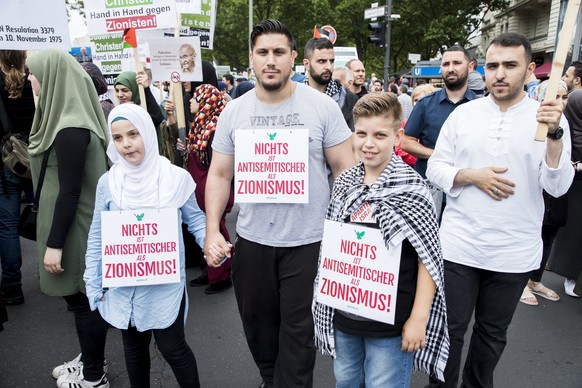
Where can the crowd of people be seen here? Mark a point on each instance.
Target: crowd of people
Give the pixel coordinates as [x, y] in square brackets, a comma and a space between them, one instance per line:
[472, 214]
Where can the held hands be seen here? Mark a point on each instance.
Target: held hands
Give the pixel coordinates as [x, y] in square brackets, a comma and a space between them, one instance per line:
[52, 261]
[489, 180]
[216, 249]
[413, 335]
[142, 79]
[550, 112]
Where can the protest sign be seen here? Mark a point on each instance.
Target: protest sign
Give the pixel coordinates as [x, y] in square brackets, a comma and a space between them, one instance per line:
[200, 24]
[34, 25]
[114, 16]
[271, 165]
[357, 273]
[140, 247]
[189, 6]
[178, 59]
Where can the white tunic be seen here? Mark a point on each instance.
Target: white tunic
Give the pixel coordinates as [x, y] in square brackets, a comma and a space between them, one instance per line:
[476, 230]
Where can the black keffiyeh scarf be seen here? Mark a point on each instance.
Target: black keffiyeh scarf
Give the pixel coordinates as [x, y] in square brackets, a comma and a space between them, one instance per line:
[402, 206]
[332, 88]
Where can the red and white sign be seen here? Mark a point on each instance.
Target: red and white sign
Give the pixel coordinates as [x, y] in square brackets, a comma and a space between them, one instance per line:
[140, 247]
[114, 16]
[357, 273]
[271, 165]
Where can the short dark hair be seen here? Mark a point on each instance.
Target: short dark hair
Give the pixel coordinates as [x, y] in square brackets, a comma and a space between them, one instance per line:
[271, 26]
[513, 39]
[229, 77]
[378, 104]
[577, 65]
[316, 44]
[461, 49]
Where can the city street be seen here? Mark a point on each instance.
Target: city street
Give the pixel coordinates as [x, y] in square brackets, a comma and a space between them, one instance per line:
[544, 346]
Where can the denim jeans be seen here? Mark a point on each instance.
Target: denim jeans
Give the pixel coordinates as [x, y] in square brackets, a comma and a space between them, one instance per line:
[10, 192]
[371, 362]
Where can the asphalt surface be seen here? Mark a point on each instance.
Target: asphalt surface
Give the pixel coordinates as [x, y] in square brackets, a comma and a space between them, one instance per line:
[544, 342]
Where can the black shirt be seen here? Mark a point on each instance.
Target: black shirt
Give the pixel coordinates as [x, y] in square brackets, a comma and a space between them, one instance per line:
[404, 301]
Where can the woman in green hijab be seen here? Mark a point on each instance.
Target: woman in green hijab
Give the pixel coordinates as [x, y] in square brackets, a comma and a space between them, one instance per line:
[69, 127]
[126, 90]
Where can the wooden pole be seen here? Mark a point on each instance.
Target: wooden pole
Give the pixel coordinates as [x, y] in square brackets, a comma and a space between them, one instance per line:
[560, 54]
[138, 68]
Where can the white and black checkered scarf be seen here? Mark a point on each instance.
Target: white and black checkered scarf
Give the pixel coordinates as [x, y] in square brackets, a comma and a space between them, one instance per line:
[402, 205]
[333, 87]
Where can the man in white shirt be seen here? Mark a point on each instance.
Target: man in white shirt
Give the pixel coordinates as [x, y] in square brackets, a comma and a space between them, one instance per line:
[493, 171]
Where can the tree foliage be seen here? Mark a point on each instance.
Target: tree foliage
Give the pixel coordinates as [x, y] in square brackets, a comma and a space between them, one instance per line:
[425, 26]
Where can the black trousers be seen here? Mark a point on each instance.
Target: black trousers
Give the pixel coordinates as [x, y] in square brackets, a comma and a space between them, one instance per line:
[493, 296]
[274, 291]
[171, 343]
[92, 333]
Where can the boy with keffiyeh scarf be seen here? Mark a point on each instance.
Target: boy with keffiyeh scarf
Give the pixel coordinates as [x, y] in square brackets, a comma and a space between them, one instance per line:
[367, 352]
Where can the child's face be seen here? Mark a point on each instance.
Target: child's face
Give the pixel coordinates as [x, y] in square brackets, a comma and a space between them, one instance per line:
[374, 140]
[128, 141]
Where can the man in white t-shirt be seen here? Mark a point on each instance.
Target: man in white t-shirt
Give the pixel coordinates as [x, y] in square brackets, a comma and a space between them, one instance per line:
[493, 172]
[277, 246]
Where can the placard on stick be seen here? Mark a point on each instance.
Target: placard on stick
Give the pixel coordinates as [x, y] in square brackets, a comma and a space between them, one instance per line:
[564, 40]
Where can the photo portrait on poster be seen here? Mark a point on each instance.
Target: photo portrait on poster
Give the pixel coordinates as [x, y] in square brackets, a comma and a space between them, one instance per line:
[178, 59]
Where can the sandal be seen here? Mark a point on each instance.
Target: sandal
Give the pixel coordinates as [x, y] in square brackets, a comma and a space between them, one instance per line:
[528, 298]
[545, 292]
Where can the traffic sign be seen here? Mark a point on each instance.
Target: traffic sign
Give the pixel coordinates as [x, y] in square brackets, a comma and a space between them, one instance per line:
[370, 13]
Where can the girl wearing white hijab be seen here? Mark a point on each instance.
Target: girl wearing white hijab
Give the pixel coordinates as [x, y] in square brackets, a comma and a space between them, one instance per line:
[139, 179]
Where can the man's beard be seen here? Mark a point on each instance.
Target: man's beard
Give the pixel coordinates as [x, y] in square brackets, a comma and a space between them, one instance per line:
[318, 78]
[460, 83]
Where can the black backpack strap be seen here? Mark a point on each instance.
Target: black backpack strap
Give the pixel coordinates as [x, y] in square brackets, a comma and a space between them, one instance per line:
[41, 178]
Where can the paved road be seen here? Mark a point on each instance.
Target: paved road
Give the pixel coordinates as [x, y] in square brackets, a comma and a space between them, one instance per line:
[544, 347]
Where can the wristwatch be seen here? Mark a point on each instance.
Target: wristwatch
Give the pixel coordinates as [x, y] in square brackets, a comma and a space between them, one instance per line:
[557, 134]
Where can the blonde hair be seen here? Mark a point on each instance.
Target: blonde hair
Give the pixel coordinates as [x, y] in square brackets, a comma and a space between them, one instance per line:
[378, 104]
[12, 64]
[422, 89]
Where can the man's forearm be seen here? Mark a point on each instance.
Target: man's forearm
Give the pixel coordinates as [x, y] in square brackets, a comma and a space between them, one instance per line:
[414, 148]
[215, 198]
[553, 152]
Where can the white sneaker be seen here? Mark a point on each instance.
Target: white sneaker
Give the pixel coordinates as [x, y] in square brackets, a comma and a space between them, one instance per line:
[68, 367]
[77, 380]
[569, 285]
[73, 366]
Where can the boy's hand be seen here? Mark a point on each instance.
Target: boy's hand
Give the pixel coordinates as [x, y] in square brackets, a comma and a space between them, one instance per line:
[413, 335]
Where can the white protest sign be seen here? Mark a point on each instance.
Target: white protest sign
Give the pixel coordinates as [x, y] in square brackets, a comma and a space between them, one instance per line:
[200, 23]
[113, 16]
[178, 59]
[189, 6]
[357, 274]
[34, 25]
[140, 247]
[271, 165]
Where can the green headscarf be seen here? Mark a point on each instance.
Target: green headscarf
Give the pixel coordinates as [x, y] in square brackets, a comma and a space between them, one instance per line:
[127, 79]
[67, 99]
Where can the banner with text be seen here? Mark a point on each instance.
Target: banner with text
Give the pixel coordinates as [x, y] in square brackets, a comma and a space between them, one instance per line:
[271, 165]
[357, 273]
[34, 25]
[176, 59]
[200, 23]
[140, 247]
[114, 16]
